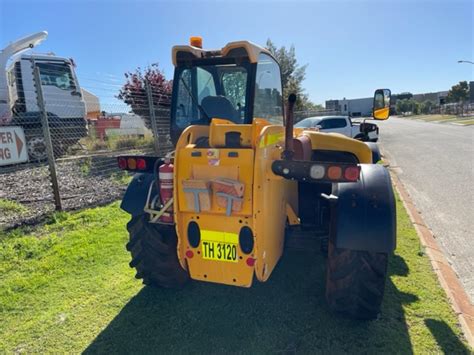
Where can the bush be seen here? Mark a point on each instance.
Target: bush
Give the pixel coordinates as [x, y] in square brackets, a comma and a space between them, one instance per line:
[130, 142]
[405, 106]
[426, 106]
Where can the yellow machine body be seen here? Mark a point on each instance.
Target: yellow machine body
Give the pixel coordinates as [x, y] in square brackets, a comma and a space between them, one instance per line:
[267, 203]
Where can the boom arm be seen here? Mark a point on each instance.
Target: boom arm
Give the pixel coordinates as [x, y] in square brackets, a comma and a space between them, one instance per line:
[13, 49]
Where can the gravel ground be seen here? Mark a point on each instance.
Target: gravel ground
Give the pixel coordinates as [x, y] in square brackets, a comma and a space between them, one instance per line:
[83, 182]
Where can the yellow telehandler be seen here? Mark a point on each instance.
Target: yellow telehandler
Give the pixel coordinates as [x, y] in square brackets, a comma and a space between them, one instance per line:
[242, 183]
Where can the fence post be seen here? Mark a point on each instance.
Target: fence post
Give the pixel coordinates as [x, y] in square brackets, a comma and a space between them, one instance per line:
[151, 108]
[47, 137]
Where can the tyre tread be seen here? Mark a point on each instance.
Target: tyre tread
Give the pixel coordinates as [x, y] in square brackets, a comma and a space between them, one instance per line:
[355, 282]
[154, 255]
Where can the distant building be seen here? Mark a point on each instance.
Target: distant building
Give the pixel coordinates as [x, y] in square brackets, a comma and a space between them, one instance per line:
[353, 107]
[92, 103]
[363, 107]
[438, 98]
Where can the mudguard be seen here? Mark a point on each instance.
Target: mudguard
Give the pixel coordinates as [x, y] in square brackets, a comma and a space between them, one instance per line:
[135, 197]
[374, 147]
[363, 217]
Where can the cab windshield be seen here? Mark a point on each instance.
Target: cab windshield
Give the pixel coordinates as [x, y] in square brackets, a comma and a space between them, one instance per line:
[214, 91]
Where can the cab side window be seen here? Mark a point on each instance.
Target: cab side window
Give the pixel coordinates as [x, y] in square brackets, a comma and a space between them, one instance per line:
[339, 123]
[268, 91]
[333, 123]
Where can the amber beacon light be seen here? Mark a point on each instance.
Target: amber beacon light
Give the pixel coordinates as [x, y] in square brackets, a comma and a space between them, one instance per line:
[195, 41]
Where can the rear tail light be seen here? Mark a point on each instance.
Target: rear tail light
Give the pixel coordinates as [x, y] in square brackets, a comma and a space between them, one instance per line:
[122, 163]
[141, 164]
[334, 172]
[352, 173]
[132, 163]
[319, 171]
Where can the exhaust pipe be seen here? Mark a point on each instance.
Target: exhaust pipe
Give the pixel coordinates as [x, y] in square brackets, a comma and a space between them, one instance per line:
[289, 151]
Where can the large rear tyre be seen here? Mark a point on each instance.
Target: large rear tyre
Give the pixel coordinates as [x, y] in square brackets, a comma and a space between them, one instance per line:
[355, 282]
[154, 255]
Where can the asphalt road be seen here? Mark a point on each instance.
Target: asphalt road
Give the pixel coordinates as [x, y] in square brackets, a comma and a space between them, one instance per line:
[435, 162]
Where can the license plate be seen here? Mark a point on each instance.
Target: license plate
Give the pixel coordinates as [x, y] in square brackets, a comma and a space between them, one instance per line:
[219, 251]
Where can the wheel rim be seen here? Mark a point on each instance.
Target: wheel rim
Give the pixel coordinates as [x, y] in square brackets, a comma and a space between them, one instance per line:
[37, 148]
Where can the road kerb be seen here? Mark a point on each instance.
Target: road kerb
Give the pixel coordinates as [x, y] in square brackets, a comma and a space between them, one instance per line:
[446, 275]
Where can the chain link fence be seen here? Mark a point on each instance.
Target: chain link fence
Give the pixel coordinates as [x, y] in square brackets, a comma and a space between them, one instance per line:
[72, 141]
[458, 109]
[300, 115]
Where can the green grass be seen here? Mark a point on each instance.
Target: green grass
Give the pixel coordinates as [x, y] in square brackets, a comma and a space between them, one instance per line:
[117, 142]
[443, 118]
[465, 122]
[122, 178]
[66, 287]
[436, 117]
[9, 207]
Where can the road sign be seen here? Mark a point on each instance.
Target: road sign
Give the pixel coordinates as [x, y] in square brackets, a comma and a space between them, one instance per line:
[12, 146]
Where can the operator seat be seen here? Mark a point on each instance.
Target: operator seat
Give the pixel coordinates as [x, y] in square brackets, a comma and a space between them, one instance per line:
[220, 107]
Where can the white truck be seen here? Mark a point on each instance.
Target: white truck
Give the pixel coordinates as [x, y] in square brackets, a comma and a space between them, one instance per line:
[364, 131]
[62, 98]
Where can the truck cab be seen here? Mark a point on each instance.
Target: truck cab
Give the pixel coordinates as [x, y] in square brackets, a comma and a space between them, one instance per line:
[61, 89]
[61, 95]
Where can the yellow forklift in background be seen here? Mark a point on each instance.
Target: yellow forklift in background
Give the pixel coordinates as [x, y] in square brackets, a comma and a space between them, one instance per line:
[242, 183]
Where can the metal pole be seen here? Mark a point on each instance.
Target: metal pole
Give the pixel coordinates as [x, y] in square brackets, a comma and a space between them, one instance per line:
[151, 108]
[47, 137]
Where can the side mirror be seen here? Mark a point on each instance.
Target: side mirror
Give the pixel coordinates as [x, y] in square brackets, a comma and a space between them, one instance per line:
[381, 109]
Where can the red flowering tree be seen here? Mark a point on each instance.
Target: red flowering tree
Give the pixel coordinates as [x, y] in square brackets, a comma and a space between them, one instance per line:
[134, 92]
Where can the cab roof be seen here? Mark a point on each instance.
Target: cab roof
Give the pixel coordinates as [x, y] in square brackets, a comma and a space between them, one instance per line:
[238, 49]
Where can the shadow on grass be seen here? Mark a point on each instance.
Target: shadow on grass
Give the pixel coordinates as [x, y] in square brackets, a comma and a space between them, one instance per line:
[446, 339]
[288, 313]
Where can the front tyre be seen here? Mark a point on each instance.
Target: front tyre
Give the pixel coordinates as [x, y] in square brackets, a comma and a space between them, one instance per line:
[154, 255]
[355, 282]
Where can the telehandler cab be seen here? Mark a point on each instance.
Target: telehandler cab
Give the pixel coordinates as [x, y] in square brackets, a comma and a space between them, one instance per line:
[242, 183]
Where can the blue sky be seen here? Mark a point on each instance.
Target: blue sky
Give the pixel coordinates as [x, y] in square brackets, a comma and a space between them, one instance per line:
[351, 47]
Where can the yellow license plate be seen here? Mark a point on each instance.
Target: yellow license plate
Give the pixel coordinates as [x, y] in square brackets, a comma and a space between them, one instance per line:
[219, 251]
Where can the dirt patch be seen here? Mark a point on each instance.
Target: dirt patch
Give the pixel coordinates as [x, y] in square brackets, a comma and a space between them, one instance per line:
[83, 183]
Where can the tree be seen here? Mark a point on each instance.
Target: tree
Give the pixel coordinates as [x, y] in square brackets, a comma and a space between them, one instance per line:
[134, 93]
[459, 92]
[407, 105]
[401, 106]
[404, 96]
[415, 107]
[426, 106]
[292, 76]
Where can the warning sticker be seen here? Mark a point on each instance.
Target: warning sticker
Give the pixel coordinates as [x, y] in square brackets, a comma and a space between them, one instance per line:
[213, 157]
[12, 146]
